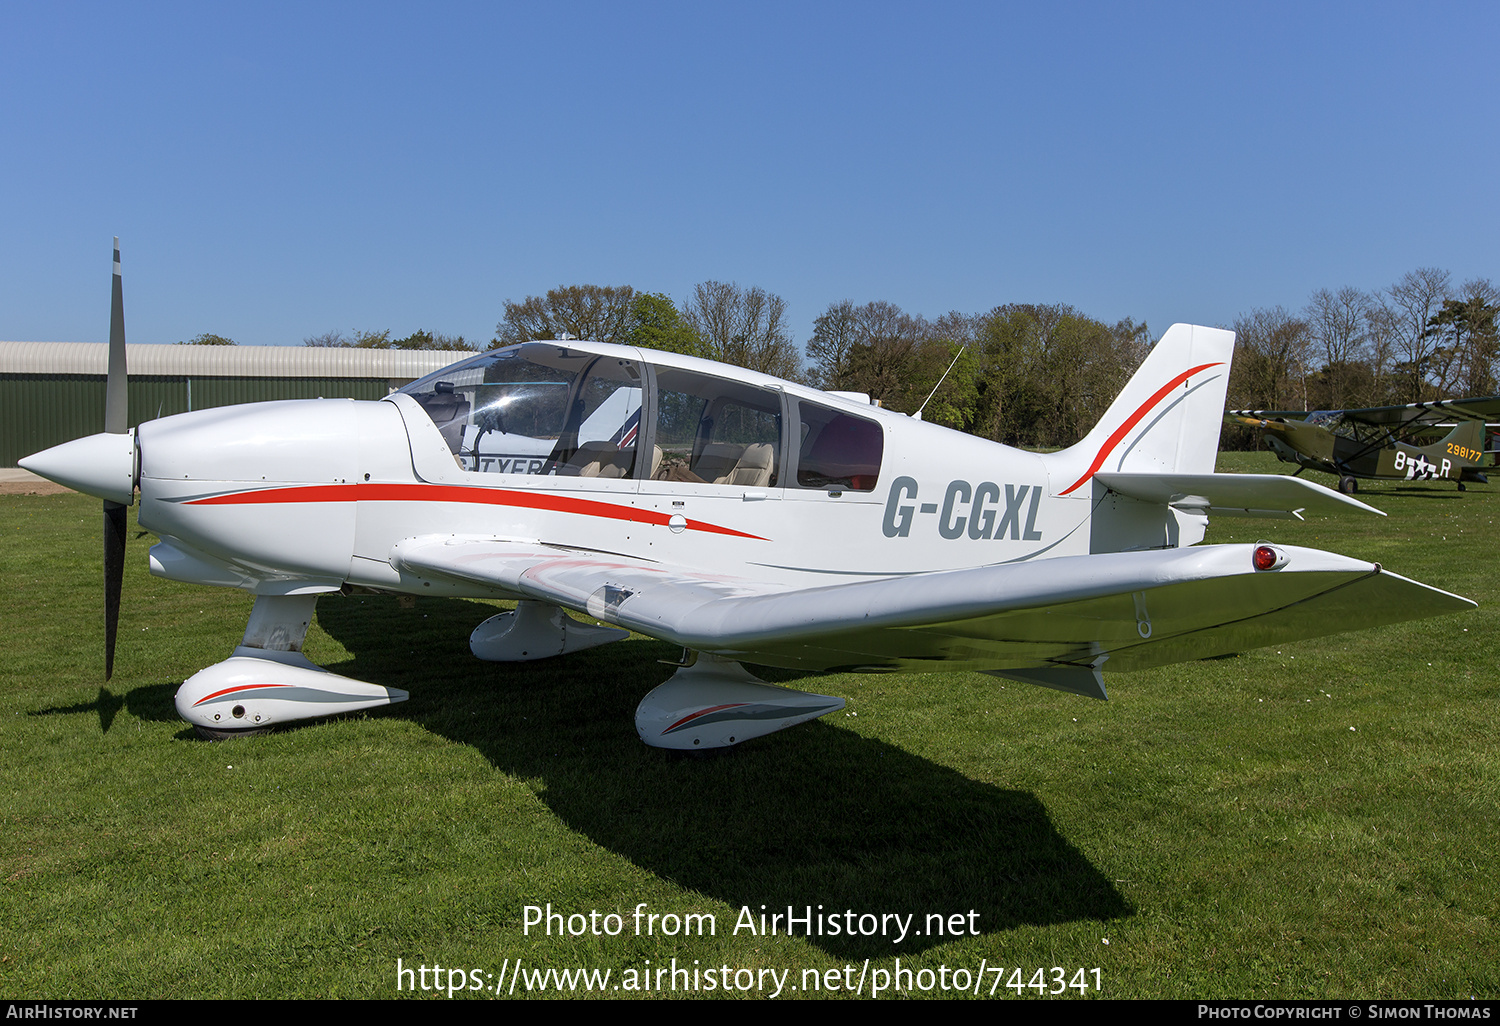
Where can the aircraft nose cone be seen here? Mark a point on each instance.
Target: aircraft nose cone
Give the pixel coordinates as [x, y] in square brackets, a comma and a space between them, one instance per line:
[102, 465]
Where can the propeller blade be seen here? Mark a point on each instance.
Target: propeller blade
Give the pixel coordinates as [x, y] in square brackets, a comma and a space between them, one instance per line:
[116, 413]
[116, 422]
[114, 577]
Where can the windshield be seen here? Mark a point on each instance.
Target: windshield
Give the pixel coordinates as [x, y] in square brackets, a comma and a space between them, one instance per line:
[1330, 419]
[537, 408]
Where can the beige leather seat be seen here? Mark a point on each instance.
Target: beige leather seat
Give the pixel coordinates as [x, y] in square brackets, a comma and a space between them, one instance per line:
[744, 466]
[717, 462]
[754, 467]
[601, 459]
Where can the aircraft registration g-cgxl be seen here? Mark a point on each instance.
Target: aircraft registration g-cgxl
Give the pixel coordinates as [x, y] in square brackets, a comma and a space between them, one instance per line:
[745, 518]
[1382, 443]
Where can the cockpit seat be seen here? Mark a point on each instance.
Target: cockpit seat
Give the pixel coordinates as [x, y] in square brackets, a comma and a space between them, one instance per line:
[600, 459]
[717, 462]
[744, 466]
[754, 467]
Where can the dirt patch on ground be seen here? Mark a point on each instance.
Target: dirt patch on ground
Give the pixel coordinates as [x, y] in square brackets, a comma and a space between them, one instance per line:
[31, 488]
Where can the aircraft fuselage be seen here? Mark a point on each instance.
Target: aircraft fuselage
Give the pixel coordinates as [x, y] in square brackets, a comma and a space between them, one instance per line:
[307, 496]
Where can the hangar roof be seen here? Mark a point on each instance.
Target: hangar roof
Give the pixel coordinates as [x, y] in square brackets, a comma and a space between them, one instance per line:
[92, 358]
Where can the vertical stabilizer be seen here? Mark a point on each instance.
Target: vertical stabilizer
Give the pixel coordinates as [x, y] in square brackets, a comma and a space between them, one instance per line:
[1464, 444]
[1167, 418]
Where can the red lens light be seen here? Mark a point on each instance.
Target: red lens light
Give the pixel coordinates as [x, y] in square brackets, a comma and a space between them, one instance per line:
[1265, 557]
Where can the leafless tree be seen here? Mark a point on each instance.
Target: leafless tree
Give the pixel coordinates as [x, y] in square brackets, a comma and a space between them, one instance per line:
[1416, 299]
[1270, 362]
[832, 341]
[1481, 289]
[1382, 329]
[1338, 322]
[359, 340]
[600, 313]
[745, 327]
[886, 343]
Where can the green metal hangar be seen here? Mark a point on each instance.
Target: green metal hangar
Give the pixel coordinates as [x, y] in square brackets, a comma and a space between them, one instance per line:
[53, 391]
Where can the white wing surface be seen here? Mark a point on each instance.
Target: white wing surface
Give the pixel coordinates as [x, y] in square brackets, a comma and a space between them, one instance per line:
[1054, 622]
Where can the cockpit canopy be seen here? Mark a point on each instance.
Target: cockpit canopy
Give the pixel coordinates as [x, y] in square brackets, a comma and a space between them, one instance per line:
[1339, 423]
[547, 408]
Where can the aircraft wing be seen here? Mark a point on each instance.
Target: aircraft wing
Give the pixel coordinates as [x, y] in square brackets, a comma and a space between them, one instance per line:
[1053, 622]
[1448, 411]
[1396, 418]
[1485, 408]
[1230, 415]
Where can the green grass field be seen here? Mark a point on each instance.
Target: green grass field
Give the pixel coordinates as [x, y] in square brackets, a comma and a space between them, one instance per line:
[1315, 821]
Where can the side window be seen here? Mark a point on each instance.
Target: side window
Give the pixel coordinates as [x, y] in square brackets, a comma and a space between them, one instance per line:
[609, 419]
[838, 450]
[715, 431]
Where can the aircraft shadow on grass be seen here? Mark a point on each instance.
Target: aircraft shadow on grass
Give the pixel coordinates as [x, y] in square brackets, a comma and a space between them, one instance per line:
[151, 703]
[1419, 493]
[814, 816]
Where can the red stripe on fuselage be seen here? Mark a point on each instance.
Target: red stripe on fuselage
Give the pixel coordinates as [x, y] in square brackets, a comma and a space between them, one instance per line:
[458, 493]
[1134, 419]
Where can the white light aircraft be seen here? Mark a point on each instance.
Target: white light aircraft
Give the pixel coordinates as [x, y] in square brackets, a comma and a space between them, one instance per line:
[745, 518]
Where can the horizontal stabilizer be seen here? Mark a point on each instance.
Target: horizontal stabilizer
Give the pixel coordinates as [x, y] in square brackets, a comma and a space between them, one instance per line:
[1233, 495]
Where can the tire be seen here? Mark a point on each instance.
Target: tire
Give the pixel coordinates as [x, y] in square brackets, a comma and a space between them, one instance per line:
[210, 734]
[1348, 485]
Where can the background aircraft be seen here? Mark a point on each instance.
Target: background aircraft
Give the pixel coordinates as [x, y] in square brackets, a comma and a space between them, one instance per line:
[1382, 442]
[745, 518]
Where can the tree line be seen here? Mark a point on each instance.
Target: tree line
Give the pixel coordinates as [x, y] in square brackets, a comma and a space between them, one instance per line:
[1040, 375]
[1418, 339]
[720, 321]
[418, 339]
[1025, 374]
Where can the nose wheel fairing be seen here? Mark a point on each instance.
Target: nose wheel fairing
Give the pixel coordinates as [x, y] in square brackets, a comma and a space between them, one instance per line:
[253, 692]
[268, 681]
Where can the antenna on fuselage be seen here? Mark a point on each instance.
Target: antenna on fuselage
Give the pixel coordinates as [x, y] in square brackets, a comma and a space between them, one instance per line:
[918, 414]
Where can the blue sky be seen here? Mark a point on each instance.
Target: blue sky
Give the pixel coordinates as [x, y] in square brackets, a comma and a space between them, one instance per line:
[278, 171]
